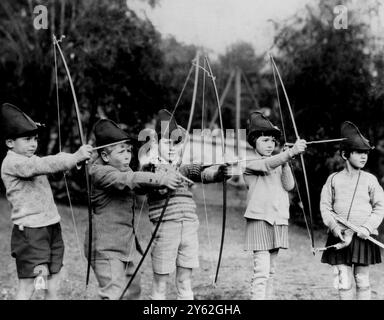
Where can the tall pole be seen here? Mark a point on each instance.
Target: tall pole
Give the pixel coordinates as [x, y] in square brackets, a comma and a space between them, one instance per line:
[238, 107]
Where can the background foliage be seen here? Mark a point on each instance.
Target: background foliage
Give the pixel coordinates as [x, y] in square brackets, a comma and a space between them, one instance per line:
[124, 70]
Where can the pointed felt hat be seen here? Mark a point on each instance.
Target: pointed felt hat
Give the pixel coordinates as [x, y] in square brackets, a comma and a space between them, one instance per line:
[167, 127]
[106, 132]
[15, 123]
[259, 125]
[354, 140]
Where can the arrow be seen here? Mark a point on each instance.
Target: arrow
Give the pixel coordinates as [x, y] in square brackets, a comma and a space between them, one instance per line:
[290, 144]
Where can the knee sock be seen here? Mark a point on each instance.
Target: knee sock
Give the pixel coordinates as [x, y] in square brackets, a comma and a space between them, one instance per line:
[261, 269]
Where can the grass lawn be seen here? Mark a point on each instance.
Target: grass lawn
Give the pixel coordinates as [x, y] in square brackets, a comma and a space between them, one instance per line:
[300, 275]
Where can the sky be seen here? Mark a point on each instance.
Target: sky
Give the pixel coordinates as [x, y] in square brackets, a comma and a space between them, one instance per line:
[216, 24]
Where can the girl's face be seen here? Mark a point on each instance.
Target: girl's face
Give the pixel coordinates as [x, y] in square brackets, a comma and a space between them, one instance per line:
[265, 145]
[119, 157]
[169, 150]
[25, 146]
[358, 159]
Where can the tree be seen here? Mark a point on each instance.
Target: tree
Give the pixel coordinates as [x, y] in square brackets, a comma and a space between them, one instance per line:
[114, 58]
[328, 74]
[241, 56]
[178, 60]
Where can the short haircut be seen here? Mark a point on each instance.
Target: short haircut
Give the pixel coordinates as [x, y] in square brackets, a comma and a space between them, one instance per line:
[27, 135]
[252, 137]
[134, 159]
[348, 151]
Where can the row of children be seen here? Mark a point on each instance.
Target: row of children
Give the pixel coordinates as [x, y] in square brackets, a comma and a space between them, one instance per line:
[36, 237]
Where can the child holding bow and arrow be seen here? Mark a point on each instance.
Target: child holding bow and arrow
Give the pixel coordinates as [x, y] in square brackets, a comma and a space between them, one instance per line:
[356, 197]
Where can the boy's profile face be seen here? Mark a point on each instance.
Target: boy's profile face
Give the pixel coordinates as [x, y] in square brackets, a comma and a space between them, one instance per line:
[25, 146]
[358, 159]
[120, 156]
[169, 150]
[265, 145]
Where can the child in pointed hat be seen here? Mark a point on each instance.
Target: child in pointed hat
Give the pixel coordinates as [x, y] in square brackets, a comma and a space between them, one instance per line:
[36, 243]
[114, 185]
[176, 245]
[268, 179]
[356, 196]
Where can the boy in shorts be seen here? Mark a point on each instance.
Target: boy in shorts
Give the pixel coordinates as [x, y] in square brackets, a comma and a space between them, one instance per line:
[36, 243]
[176, 245]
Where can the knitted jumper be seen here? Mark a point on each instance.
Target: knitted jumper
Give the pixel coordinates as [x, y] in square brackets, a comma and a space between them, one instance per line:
[268, 181]
[368, 204]
[28, 190]
[181, 205]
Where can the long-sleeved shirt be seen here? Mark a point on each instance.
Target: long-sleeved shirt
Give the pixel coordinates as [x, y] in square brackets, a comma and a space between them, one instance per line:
[28, 190]
[181, 205]
[268, 179]
[112, 202]
[368, 203]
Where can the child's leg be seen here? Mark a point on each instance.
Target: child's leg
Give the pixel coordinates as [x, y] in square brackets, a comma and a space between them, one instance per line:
[56, 243]
[183, 283]
[53, 284]
[134, 290]
[272, 269]
[31, 248]
[363, 289]
[159, 286]
[261, 271]
[164, 254]
[187, 259]
[113, 275]
[344, 281]
[26, 289]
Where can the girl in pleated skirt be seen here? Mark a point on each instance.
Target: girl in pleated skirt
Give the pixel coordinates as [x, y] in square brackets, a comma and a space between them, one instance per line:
[268, 178]
[355, 197]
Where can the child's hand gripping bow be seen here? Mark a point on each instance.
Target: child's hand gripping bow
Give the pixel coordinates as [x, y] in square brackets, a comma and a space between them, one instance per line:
[170, 169]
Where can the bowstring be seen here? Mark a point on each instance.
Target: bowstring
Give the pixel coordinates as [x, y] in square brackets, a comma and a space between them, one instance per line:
[174, 110]
[224, 181]
[180, 95]
[202, 184]
[137, 228]
[64, 174]
[177, 105]
[285, 141]
[142, 206]
[301, 156]
[194, 65]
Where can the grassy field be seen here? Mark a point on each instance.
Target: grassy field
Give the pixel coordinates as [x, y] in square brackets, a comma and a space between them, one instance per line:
[300, 275]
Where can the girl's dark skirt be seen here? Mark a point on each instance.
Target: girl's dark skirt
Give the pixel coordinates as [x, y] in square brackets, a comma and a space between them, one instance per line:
[360, 251]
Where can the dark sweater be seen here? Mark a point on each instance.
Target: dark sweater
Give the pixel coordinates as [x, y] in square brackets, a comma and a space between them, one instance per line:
[112, 201]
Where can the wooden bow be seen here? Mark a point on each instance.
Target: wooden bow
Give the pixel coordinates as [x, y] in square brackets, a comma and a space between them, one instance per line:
[82, 139]
[210, 74]
[276, 71]
[169, 192]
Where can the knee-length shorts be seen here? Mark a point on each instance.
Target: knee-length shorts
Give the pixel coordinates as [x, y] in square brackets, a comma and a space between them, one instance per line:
[176, 245]
[32, 247]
